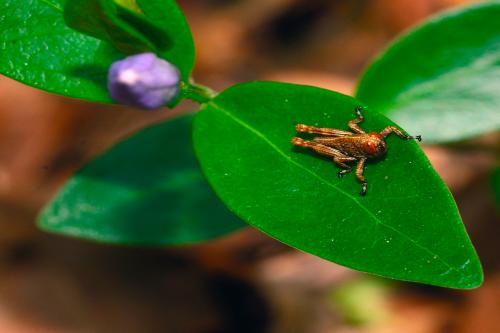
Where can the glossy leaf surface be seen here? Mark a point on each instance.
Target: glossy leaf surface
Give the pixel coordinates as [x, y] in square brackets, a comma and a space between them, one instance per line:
[38, 49]
[407, 227]
[441, 79]
[128, 31]
[167, 15]
[146, 190]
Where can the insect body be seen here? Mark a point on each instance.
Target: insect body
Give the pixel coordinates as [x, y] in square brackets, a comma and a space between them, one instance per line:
[345, 147]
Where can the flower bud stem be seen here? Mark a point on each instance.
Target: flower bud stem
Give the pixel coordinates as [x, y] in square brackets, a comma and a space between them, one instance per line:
[198, 93]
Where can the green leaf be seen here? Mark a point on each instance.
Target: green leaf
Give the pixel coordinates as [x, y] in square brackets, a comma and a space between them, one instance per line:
[130, 4]
[363, 301]
[146, 190]
[38, 49]
[127, 30]
[441, 79]
[407, 227]
[167, 15]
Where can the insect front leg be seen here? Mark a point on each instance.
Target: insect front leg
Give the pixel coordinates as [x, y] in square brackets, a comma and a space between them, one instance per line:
[359, 174]
[391, 129]
[353, 124]
[321, 130]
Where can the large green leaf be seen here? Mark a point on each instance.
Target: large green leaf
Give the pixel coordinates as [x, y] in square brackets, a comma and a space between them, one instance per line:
[441, 79]
[38, 49]
[146, 190]
[407, 227]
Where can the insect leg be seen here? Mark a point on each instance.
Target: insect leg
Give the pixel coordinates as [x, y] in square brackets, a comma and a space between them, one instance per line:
[340, 161]
[323, 131]
[338, 157]
[318, 147]
[391, 129]
[359, 174]
[353, 124]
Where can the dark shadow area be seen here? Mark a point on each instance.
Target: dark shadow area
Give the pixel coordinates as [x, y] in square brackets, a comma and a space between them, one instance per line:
[292, 26]
[95, 74]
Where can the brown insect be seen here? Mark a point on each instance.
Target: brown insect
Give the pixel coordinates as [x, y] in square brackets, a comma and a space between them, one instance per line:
[347, 147]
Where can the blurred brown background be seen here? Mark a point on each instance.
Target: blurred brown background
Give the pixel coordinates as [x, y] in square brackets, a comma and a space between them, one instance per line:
[245, 282]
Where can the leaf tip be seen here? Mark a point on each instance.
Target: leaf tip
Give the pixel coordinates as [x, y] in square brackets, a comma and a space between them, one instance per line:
[470, 275]
[475, 278]
[43, 222]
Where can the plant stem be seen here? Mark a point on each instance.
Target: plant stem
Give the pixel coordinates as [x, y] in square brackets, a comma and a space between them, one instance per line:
[197, 92]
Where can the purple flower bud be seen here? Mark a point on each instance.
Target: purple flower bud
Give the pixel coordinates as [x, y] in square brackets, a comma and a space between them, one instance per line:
[143, 81]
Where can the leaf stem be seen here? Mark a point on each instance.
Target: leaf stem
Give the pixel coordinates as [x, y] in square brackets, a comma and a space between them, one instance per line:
[197, 92]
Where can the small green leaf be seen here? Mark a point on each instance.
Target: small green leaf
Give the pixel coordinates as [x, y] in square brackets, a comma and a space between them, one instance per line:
[146, 190]
[167, 15]
[128, 31]
[130, 4]
[38, 49]
[363, 302]
[441, 79]
[407, 227]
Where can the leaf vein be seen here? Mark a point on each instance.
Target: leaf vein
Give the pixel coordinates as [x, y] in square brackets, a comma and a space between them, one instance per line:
[52, 5]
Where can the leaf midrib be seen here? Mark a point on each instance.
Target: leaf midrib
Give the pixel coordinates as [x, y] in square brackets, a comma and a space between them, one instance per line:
[52, 5]
[356, 201]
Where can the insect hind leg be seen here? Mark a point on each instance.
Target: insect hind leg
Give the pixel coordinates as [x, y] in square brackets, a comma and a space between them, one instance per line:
[318, 147]
[339, 158]
[321, 130]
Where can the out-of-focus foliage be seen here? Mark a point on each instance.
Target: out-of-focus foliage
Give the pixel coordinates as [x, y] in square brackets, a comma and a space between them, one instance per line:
[146, 190]
[441, 79]
[127, 30]
[363, 302]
